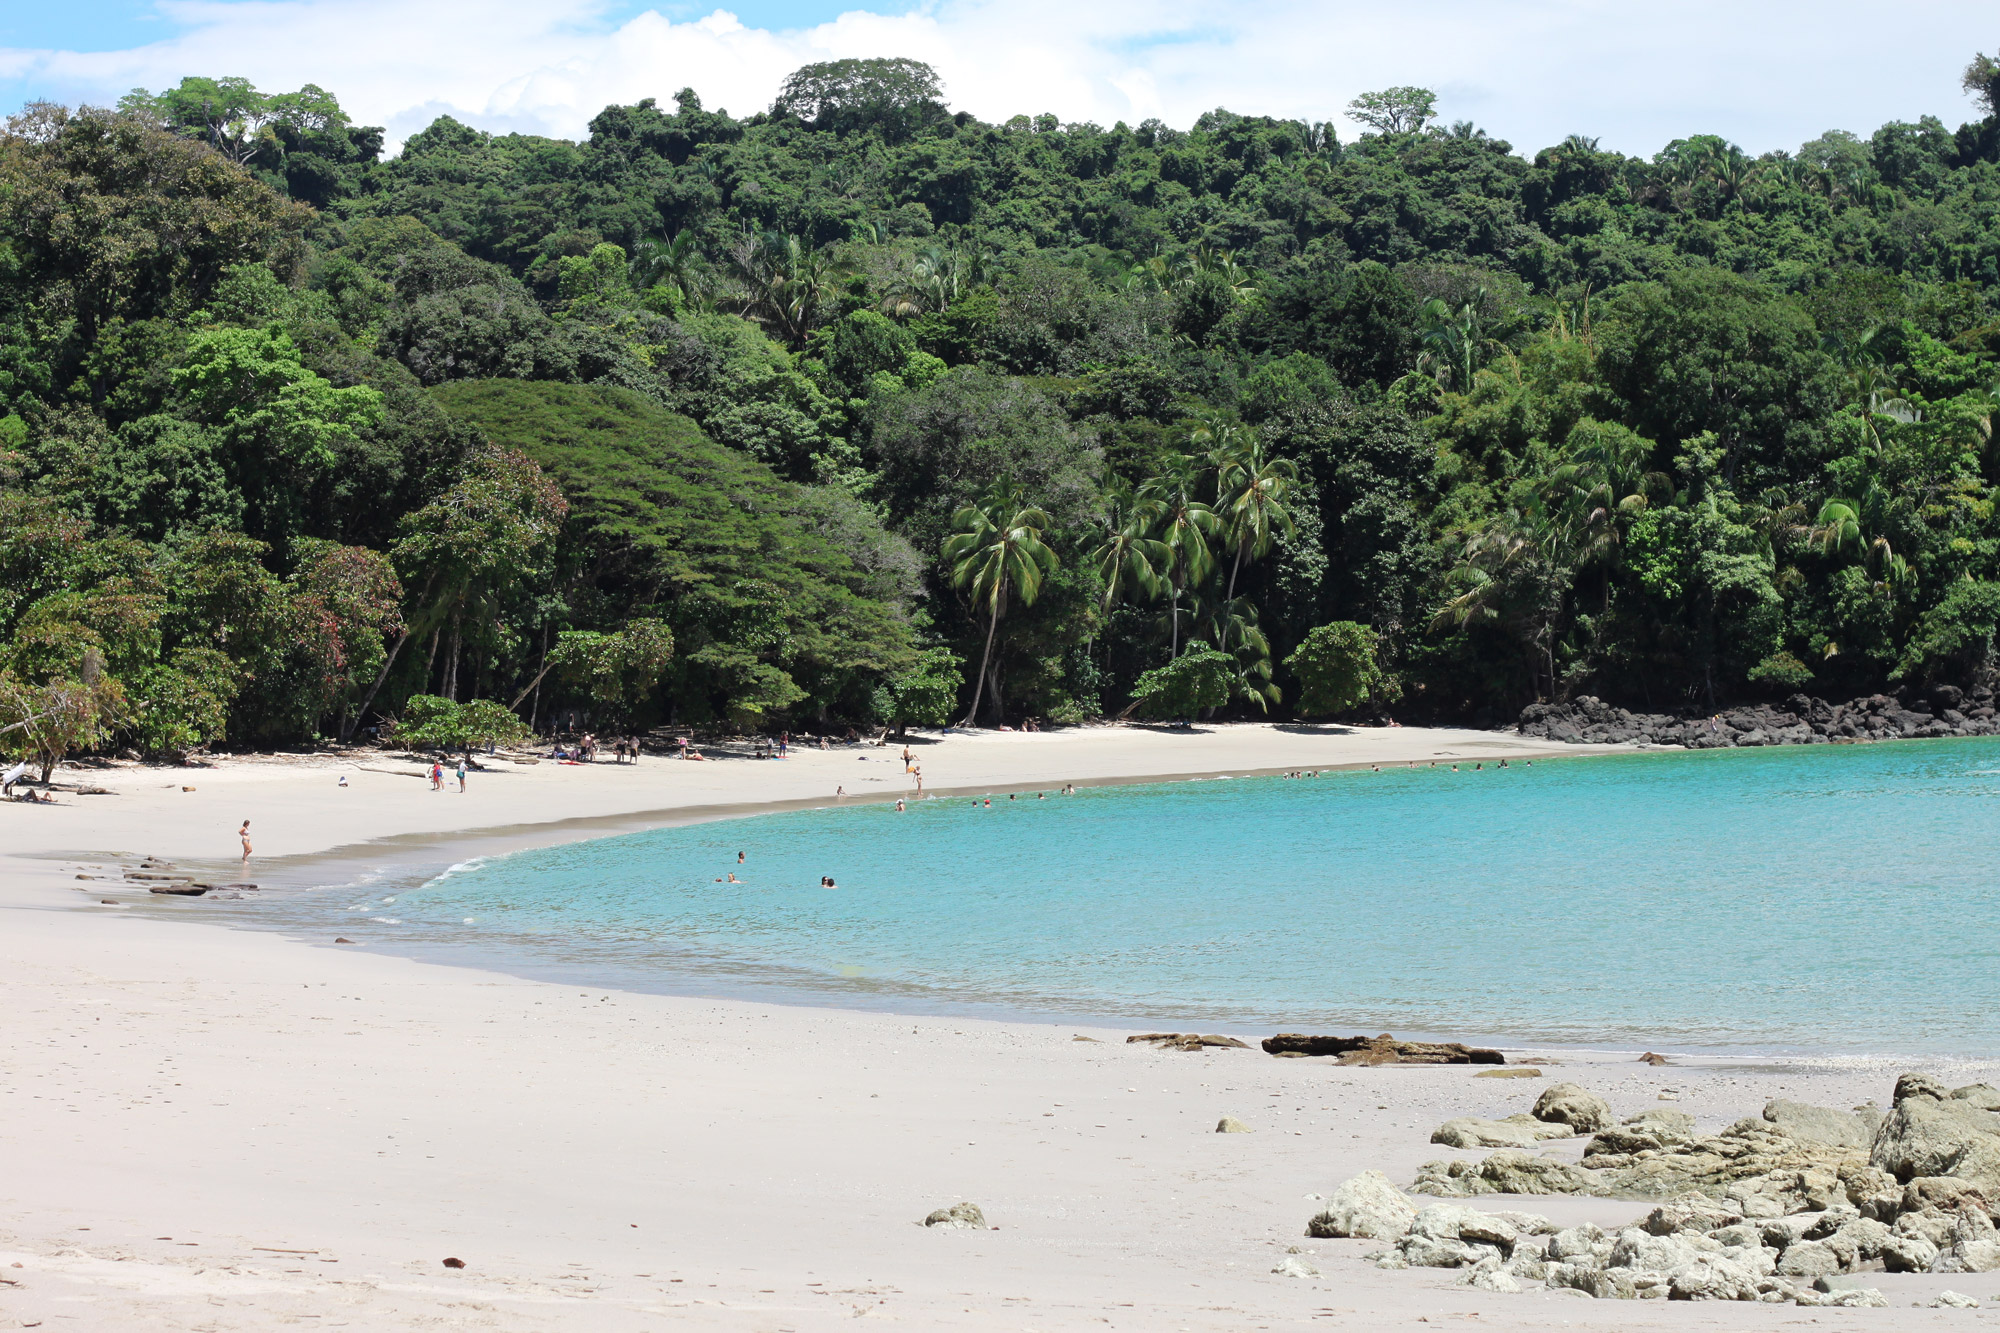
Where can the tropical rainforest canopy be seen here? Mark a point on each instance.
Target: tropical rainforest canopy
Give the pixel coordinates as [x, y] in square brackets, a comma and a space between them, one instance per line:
[860, 410]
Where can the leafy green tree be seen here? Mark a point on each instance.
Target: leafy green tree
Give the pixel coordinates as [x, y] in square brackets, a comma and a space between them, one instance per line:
[998, 556]
[1403, 110]
[277, 422]
[892, 96]
[927, 692]
[1958, 632]
[1339, 668]
[616, 670]
[178, 707]
[1194, 682]
[48, 720]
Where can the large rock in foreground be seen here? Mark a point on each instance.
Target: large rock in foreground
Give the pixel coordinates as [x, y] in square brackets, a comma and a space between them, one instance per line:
[1567, 1104]
[1934, 1132]
[1367, 1205]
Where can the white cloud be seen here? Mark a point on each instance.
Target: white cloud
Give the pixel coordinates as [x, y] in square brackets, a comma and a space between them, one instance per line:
[1766, 74]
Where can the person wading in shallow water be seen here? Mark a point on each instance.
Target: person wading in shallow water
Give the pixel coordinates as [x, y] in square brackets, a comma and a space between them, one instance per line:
[244, 834]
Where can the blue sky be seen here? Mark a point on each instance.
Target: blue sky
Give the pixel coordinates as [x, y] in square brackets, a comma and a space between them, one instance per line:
[112, 25]
[1767, 74]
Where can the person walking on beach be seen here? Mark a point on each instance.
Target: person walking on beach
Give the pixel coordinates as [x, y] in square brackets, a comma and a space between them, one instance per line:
[906, 758]
[244, 834]
[461, 777]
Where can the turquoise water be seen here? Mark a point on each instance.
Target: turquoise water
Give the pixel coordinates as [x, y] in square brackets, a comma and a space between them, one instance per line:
[1831, 898]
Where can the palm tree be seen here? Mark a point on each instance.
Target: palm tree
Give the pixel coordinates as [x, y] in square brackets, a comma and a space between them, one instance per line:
[996, 551]
[1186, 524]
[1839, 529]
[788, 285]
[1130, 556]
[1251, 491]
[1605, 485]
[1513, 573]
[1454, 341]
[678, 261]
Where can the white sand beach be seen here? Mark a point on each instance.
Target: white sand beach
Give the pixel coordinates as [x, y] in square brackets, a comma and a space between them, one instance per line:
[212, 1129]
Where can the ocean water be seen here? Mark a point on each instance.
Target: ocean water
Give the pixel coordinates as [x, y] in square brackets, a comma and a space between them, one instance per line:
[1822, 899]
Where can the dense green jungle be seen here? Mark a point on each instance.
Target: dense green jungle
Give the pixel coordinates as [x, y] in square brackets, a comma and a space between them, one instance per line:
[858, 412]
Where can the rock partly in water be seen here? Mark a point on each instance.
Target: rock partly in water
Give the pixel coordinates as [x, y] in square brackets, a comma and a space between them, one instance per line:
[1802, 720]
[1367, 1205]
[958, 1217]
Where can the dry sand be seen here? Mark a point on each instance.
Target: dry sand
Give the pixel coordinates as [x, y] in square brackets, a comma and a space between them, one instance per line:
[209, 1129]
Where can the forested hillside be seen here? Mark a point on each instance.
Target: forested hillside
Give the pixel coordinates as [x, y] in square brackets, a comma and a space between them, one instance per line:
[858, 409]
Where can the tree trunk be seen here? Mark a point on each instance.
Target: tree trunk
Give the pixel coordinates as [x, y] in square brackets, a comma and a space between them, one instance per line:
[979, 689]
[1230, 596]
[347, 728]
[999, 704]
[536, 684]
[451, 663]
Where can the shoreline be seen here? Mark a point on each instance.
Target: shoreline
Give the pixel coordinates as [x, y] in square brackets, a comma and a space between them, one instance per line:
[229, 1130]
[407, 861]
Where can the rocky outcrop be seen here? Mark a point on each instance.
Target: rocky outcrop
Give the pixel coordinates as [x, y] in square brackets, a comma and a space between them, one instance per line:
[1780, 1207]
[1382, 1050]
[1801, 720]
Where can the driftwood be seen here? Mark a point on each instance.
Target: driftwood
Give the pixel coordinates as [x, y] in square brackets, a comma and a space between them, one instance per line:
[181, 890]
[1382, 1050]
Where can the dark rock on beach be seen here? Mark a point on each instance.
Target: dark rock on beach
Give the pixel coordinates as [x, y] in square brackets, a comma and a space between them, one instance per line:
[1382, 1050]
[1944, 710]
[1187, 1041]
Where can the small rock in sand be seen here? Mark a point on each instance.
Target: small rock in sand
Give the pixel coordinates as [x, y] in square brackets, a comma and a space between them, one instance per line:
[1508, 1073]
[958, 1217]
[1652, 1058]
[1955, 1300]
[1229, 1124]
[454, 1263]
[1296, 1265]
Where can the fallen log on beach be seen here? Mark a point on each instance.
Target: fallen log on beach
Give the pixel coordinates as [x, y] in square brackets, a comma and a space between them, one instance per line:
[181, 890]
[1382, 1050]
